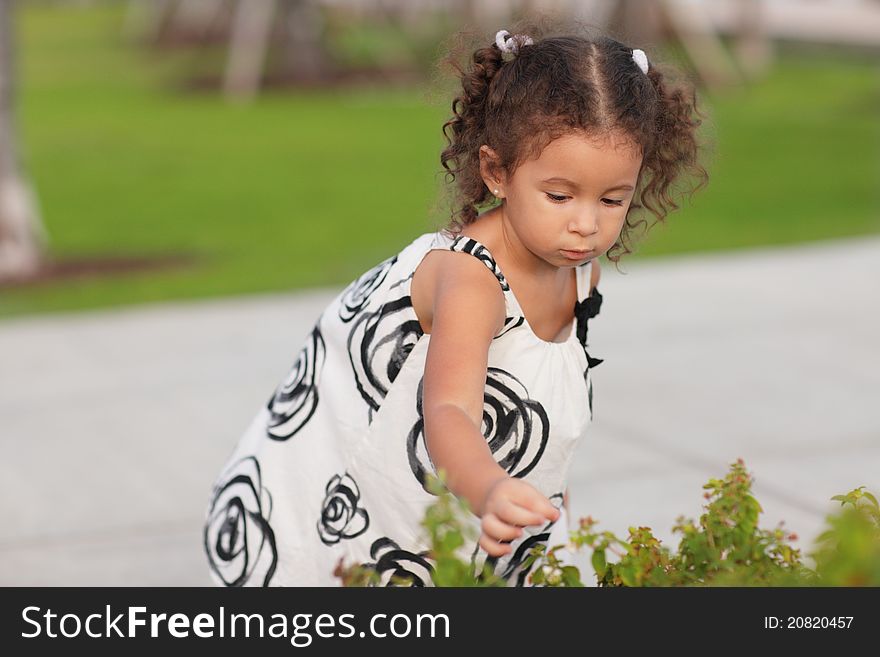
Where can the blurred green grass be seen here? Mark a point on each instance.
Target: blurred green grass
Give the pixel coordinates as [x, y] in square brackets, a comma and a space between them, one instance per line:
[311, 188]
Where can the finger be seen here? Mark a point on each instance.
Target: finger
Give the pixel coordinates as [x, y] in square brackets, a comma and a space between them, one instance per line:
[496, 528]
[541, 509]
[537, 503]
[493, 547]
[514, 514]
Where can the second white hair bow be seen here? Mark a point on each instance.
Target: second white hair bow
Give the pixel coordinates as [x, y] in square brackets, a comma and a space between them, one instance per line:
[640, 58]
[512, 44]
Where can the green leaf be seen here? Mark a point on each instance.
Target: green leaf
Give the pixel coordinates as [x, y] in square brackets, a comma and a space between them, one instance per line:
[571, 576]
[599, 564]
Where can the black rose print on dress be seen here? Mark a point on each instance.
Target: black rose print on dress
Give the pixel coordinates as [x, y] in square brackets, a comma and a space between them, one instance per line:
[516, 428]
[238, 539]
[295, 400]
[514, 570]
[341, 515]
[356, 295]
[390, 560]
[378, 345]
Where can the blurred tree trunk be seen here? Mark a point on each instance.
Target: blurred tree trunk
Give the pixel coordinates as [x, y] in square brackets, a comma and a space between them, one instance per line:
[248, 45]
[653, 21]
[22, 237]
[303, 54]
[753, 47]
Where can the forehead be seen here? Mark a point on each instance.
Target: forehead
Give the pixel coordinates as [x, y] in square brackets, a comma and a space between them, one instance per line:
[588, 160]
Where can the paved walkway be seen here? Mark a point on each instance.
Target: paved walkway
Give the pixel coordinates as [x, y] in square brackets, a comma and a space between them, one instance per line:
[115, 423]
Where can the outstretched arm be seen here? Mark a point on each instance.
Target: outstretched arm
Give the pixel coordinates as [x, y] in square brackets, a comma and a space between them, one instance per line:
[468, 311]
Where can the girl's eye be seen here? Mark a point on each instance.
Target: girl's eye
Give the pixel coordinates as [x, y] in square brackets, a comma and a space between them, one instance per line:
[561, 199]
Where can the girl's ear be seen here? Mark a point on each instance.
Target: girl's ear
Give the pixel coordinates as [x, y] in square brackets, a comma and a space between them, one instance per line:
[490, 170]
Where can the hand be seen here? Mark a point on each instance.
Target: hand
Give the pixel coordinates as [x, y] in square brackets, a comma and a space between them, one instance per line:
[510, 505]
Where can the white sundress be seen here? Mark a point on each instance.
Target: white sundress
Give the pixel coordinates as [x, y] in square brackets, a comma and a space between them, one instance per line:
[333, 466]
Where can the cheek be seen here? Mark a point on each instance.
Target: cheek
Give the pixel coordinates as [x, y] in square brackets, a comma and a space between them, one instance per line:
[535, 233]
[619, 219]
[540, 235]
[614, 234]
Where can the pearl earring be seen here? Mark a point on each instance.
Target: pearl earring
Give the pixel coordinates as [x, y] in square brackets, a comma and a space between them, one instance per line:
[495, 191]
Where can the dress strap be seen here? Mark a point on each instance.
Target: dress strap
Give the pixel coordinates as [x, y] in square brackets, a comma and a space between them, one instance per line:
[467, 244]
[514, 314]
[586, 307]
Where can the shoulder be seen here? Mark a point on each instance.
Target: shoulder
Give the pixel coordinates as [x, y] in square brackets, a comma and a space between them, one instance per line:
[468, 310]
[457, 288]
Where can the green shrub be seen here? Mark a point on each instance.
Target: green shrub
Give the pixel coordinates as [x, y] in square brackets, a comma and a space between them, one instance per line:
[725, 548]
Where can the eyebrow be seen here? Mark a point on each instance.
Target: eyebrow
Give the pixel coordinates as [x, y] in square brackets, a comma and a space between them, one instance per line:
[574, 185]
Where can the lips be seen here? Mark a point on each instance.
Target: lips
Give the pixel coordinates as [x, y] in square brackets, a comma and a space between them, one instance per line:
[575, 255]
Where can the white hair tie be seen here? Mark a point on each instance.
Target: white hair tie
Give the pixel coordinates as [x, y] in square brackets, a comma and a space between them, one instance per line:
[513, 44]
[640, 58]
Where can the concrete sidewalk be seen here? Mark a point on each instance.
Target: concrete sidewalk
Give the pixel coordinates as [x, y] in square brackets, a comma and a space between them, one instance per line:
[114, 424]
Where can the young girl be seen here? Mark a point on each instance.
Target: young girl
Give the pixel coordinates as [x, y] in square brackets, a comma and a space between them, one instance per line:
[466, 351]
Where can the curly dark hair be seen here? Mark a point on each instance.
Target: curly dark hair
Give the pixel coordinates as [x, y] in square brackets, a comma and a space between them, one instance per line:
[565, 82]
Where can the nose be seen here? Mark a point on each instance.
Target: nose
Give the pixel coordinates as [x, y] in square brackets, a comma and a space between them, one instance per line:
[585, 224]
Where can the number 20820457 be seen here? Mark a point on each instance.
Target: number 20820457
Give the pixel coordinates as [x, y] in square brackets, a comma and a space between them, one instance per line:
[807, 622]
